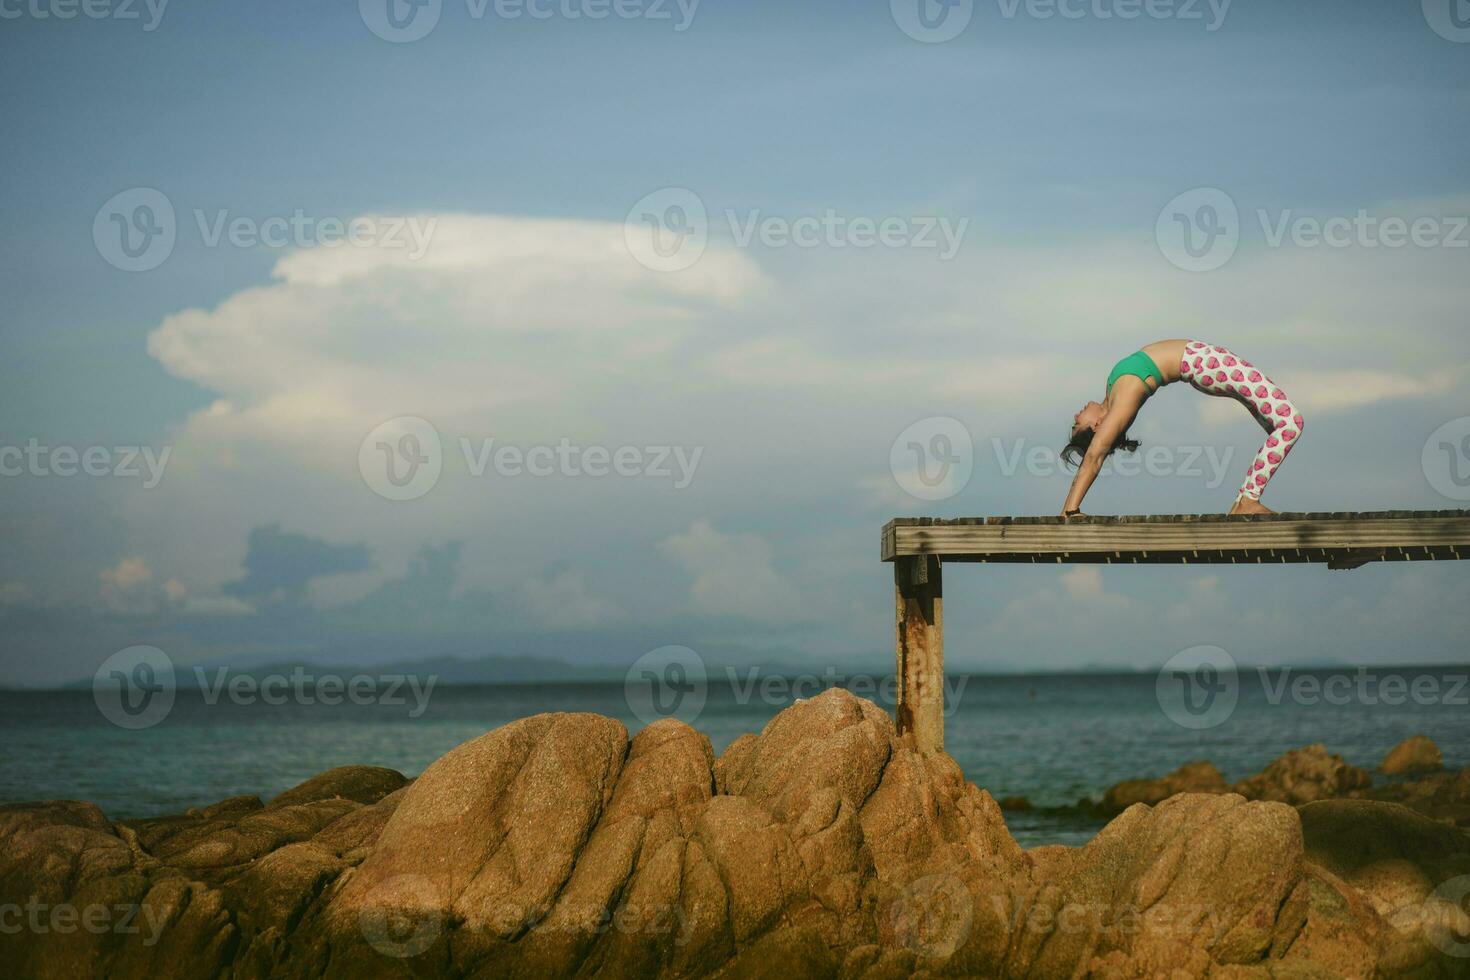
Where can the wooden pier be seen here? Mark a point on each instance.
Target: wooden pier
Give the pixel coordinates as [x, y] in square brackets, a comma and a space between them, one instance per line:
[918, 547]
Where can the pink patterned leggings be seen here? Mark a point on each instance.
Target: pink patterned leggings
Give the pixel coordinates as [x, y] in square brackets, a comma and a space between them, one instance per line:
[1216, 371]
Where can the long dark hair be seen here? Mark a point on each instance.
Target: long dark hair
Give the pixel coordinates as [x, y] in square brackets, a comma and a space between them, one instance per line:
[1074, 451]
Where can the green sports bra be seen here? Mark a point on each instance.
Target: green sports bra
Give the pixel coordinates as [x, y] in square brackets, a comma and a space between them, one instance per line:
[1138, 364]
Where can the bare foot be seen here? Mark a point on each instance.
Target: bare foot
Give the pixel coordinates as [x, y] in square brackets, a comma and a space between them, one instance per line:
[1245, 505]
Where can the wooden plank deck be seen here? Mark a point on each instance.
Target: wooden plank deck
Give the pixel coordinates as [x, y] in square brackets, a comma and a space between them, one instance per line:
[919, 547]
[1341, 540]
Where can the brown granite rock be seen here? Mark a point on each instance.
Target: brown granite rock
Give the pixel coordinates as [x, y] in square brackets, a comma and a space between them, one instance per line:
[1442, 796]
[824, 846]
[1415, 755]
[1304, 776]
[1192, 777]
[360, 784]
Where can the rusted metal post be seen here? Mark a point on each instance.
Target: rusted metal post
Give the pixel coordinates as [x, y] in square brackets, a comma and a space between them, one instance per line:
[920, 650]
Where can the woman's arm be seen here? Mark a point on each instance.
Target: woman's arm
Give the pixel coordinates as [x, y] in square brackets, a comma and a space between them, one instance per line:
[1113, 426]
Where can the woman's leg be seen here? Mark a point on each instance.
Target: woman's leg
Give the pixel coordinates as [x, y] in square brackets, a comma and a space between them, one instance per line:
[1217, 371]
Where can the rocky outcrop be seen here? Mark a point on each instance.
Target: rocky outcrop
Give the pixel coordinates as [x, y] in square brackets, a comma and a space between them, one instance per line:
[1192, 777]
[825, 846]
[1304, 776]
[1443, 796]
[1308, 775]
[1413, 756]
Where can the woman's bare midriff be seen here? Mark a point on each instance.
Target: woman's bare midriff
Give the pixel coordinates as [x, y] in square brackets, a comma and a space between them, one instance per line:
[1166, 355]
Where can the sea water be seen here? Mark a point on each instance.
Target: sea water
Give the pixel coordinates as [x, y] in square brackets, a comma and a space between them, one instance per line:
[1053, 739]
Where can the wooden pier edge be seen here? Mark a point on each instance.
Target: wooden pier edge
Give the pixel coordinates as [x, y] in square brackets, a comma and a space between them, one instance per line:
[917, 547]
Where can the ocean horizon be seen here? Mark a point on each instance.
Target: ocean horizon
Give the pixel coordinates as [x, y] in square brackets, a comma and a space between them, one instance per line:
[1054, 739]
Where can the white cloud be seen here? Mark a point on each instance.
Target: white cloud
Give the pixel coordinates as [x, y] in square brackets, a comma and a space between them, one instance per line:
[731, 574]
[531, 331]
[563, 601]
[127, 587]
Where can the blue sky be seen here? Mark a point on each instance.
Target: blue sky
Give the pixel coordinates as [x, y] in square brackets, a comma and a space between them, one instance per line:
[524, 143]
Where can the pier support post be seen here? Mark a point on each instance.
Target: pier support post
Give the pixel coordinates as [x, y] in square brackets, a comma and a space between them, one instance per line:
[920, 650]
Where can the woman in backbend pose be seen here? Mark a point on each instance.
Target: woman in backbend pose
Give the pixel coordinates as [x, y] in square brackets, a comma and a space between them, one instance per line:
[1102, 427]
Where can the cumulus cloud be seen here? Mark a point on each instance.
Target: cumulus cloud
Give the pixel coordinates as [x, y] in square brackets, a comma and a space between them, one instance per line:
[731, 574]
[792, 372]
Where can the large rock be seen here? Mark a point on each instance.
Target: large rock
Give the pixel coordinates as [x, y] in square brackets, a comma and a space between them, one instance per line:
[360, 784]
[1192, 777]
[824, 846]
[1415, 755]
[1304, 775]
[1441, 796]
